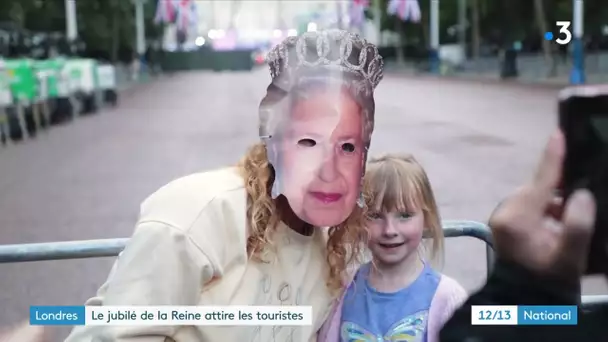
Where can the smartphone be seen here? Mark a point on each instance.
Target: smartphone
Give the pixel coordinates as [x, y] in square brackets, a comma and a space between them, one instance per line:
[583, 118]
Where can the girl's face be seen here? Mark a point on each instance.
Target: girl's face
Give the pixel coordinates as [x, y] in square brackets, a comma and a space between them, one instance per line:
[322, 158]
[395, 235]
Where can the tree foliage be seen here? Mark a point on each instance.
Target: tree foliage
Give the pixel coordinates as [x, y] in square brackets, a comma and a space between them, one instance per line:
[500, 21]
[107, 27]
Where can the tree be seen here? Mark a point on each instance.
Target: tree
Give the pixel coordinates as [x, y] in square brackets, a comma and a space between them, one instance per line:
[476, 34]
[500, 23]
[106, 26]
[399, 45]
[541, 20]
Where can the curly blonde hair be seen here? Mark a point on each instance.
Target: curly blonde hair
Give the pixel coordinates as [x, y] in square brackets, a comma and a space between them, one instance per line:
[344, 241]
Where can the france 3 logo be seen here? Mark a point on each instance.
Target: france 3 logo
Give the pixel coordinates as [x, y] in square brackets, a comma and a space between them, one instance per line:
[564, 35]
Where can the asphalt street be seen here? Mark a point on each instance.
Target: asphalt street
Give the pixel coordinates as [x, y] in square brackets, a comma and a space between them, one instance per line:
[86, 179]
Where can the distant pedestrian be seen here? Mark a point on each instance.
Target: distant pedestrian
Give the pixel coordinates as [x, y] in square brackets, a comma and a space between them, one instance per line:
[135, 68]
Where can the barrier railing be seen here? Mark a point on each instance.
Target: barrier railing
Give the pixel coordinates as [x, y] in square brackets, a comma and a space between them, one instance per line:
[474, 229]
[61, 250]
[112, 247]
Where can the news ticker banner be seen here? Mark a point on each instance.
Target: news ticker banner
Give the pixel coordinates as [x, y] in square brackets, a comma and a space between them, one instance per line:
[171, 315]
[524, 315]
[268, 315]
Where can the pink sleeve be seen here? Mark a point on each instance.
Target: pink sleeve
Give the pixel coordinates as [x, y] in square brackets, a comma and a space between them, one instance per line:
[330, 330]
[448, 297]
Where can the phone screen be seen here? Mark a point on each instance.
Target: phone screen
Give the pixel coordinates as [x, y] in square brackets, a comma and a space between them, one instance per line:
[583, 117]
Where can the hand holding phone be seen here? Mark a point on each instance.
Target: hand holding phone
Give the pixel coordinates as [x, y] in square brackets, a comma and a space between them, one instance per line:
[583, 118]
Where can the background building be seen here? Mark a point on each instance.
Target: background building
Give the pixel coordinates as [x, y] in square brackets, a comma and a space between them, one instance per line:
[257, 22]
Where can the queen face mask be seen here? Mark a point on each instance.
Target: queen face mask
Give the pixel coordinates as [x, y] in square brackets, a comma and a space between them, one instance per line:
[318, 157]
[316, 121]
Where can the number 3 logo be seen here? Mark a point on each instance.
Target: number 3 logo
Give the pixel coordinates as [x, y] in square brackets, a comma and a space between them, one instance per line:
[563, 29]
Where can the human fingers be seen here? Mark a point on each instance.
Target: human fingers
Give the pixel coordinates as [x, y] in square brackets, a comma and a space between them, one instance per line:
[556, 208]
[505, 224]
[578, 223]
[507, 203]
[506, 219]
[549, 172]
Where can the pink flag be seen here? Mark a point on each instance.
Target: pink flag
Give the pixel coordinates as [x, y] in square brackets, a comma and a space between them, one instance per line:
[405, 10]
[357, 11]
[184, 15]
[193, 14]
[165, 11]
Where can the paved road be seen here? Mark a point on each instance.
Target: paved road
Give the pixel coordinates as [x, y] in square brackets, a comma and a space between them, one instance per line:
[85, 180]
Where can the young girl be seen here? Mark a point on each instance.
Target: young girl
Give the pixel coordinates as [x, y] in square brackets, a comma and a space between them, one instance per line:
[397, 296]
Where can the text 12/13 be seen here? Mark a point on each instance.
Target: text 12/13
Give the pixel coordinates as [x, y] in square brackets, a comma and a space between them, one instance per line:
[524, 315]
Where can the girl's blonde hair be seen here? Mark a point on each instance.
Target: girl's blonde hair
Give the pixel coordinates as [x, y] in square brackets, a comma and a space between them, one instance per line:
[399, 183]
[345, 240]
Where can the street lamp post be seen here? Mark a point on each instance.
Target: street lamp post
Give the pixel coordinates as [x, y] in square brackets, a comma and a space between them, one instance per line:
[140, 29]
[462, 24]
[71, 24]
[280, 22]
[377, 12]
[434, 53]
[339, 15]
[577, 74]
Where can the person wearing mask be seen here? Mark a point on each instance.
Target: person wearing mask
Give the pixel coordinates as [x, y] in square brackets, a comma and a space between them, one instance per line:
[273, 230]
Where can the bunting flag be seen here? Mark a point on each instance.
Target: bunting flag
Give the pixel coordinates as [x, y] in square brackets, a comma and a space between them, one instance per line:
[406, 10]
[187, 15]
[184, 15]
[165, 11]
[357, 12]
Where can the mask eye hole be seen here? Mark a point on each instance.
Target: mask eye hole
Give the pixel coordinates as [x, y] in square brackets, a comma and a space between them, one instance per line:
[307, 142]
[348, 147]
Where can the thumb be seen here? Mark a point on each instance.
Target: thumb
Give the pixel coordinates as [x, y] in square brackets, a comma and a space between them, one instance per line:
[549, 171]
[579, 221]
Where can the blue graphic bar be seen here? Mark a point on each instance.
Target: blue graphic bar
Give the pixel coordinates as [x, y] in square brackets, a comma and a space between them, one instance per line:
[547, 315]
[57, 315]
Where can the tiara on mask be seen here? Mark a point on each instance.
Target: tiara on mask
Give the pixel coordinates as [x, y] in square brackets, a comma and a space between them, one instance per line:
[330, 50]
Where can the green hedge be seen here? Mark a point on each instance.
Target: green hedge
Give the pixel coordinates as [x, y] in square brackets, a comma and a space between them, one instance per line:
[207, 59]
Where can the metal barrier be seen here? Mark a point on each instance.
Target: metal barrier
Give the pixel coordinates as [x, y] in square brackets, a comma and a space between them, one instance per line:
[112, 247]
[61, 250]
[474, 229]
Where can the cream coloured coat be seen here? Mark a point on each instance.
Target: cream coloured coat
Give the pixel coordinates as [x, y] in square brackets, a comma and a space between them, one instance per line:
[189, 248]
